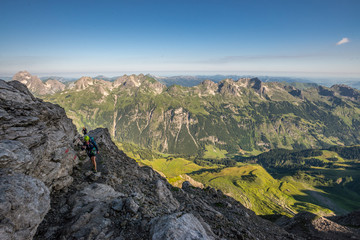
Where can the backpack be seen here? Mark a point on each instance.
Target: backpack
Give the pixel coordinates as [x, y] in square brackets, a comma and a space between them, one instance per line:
[93, 141]
[92, 145]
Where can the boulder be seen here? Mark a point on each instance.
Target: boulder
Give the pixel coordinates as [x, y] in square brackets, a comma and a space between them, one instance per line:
[94, 193]
[179, 226]
[131, 205]
[89, 212]
[165, 196]
[24, 203]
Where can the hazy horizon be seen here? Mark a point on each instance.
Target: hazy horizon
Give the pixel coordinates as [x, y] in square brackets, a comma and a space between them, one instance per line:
[276, 38]
[314, 79]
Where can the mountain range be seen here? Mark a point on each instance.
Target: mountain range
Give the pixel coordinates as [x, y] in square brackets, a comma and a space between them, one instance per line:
[245, 116]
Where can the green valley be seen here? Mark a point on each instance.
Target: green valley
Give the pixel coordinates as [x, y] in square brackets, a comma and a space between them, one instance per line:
[257, 185]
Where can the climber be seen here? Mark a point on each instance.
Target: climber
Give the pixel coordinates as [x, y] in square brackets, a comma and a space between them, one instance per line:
[84, 130]
[91, 148]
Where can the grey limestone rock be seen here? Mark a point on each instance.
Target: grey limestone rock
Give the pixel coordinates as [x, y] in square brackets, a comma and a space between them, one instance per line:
[90, 212]
[15, 157]
[45, 132]
[179, 226]
[117, 204]
[186, 184]
[131, 205]
[166, 196]
[24, 202]
[94, 193]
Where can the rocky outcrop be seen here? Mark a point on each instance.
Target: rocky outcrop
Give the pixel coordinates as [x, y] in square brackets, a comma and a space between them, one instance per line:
[351, 219]
[325, 91]
[311, 226]
[293, 91]
[180, 226]
[346, 91]
[54, 86]
[229, 87]
[36, 86]
[141, 81]
[253, 83]
[24, 201]
[40, 128]
[208, 87]
[85, 82]
[36, 156]
[166, 196]
[89, 209]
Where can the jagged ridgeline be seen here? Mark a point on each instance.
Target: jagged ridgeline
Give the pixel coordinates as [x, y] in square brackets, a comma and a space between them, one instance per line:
[243, 116]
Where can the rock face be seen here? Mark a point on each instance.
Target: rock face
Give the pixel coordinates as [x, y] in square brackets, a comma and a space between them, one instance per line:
[15, 157]
[41, 128]
[347, 91]
[36, 156]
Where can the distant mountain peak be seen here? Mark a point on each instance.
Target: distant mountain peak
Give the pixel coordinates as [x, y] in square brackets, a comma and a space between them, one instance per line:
[346, 91]
[36, 86]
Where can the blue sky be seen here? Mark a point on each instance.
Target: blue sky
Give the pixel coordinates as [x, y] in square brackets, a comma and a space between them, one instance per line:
[284, 37]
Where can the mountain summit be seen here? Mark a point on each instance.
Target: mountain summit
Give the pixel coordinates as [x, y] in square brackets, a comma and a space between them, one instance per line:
[36, 86]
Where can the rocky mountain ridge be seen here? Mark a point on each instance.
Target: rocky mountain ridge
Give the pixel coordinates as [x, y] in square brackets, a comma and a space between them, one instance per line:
[38, 87]
[49, 192]
[51, 86]
[247, 114]
[229, 86]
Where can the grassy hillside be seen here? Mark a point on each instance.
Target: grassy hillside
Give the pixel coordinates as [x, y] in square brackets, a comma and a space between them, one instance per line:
[254, 187]
[270, 188]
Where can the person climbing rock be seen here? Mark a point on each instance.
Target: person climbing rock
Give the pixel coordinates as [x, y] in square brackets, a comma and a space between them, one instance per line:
[92, 149]
[84, 130]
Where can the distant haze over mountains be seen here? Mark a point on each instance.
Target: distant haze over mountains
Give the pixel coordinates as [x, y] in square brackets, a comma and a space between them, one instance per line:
[193, 80]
